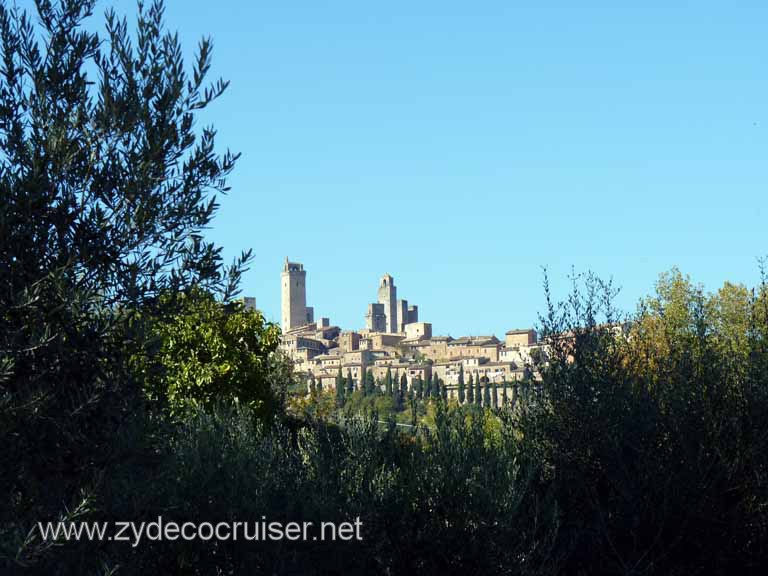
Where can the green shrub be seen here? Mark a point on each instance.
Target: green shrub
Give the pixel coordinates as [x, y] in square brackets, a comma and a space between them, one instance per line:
[208, 351]
[652, 437]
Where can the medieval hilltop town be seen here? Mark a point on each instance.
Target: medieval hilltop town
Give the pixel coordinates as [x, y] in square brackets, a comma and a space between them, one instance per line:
[395, 340]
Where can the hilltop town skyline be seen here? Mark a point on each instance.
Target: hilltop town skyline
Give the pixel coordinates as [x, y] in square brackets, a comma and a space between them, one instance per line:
[396, 343]
[550, 137]
[454, 309]
[387, 314]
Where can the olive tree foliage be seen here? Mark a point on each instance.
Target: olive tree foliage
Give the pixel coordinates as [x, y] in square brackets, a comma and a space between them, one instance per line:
[651, 428]
[106, 186]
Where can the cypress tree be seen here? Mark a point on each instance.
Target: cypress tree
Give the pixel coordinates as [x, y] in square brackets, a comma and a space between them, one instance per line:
[396, 391]
[370, 384]
[444, 390]
[403, 390]
[504, 393]
[312, 385]
[340, 384]
[428, 387]
[515, 392]
[350, 382]
[462, 390]
[471, 390]
[388, 382]
[486, 392]
[419, 386]
[478, 390]
[435, 387]
[396, 386]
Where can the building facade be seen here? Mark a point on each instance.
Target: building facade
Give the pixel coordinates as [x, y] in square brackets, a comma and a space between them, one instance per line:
[387, 298]
[376, 319]
[295, 312]
[390, 314]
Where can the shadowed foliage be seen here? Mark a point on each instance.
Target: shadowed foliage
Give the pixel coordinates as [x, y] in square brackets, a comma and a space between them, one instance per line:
[105, 189]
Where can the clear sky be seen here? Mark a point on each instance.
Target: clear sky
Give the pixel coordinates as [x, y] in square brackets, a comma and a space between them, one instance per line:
[461, 146]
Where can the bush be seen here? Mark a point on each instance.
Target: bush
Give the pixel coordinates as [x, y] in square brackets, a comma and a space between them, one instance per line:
[207, 352]
[441, 501]
[655, 455]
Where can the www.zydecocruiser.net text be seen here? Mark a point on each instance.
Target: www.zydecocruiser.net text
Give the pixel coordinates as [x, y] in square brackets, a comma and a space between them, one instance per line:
[160, 530]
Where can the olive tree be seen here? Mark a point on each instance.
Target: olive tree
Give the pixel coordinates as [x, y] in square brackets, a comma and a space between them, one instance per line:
[106, 188]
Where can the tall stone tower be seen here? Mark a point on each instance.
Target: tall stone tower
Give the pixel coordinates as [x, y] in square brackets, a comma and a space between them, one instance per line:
[375, 319]
[388, 297]
[294, 296]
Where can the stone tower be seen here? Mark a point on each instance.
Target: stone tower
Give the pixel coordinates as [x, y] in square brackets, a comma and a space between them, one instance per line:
[375, 319]
[294, 296]
[388, 297]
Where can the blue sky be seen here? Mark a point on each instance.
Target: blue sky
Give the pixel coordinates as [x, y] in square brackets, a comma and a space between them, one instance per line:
[461, 146]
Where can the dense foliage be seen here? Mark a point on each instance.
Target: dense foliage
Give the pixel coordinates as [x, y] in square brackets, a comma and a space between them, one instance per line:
[207, 351]
[444, 502]
[652, 430]
[105, 189]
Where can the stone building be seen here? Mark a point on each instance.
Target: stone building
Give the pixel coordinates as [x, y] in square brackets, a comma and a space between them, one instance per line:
[326, 362]
[475, 347]
[249, 303]
[434, 348]
[375, 318]
[395, 341]
[349, 341]
[418, 331]
[295, 312]
[388, 299]
[378, 341]
[402, 315]
[514, 338]
[397, 314]
[362, 357]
